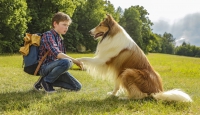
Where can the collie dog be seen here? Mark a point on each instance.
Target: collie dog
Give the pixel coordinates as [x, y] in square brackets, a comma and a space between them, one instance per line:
[118, 57]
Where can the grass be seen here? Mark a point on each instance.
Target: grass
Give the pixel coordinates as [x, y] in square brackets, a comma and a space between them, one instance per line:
[17, 96]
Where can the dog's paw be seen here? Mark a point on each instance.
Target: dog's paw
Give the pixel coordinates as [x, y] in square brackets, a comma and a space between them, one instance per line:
[110, 93]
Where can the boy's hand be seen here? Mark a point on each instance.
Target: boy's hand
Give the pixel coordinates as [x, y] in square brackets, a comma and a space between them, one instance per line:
[78, 63]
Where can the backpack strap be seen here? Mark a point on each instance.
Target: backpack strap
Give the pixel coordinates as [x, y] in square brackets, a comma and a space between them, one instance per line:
[40, 62]
[45, 55]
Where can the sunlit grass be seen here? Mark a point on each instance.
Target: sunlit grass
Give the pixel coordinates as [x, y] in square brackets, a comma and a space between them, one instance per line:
[18, 97]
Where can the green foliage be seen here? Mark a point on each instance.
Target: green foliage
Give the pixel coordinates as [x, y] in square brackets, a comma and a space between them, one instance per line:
[18, 17]
[133, 25]
[136, 22]
[86, 16]
[166, 43]
[17, 96]
[188, 50]
[153, 44]
[120, 11]
[110, 9]
[73, 38]
[42, 12]
[13, 24]
[146, 32]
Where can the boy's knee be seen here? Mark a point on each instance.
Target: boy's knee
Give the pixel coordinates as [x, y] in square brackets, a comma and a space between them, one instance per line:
[67, 62]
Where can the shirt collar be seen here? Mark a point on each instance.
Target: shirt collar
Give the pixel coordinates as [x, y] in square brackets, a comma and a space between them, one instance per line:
[54, 32]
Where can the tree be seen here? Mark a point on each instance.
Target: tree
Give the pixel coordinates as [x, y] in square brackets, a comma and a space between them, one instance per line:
[147, 35]
[168, 43]
[86, 17]
[13, 24]
[154, 43]
[188, 50]
[110, 9]
[73, 35]
[133, 25]
[42, 11]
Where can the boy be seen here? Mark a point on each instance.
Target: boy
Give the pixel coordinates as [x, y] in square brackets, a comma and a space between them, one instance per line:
[53, 71]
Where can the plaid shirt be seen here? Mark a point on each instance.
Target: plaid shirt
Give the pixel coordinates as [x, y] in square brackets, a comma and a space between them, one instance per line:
[54, 46]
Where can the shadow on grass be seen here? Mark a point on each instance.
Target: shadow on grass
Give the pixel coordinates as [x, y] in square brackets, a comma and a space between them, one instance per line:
[22, 100]
[18, 100]
[112, 105]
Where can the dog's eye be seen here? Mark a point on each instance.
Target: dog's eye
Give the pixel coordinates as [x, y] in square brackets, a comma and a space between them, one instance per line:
[99, 24]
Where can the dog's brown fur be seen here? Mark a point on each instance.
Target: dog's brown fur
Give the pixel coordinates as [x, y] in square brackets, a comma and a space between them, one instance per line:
[135, 73]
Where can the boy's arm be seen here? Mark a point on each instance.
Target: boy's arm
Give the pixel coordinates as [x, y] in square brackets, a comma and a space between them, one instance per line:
[62, 55]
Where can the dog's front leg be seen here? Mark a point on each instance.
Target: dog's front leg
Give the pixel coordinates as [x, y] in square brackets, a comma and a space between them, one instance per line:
[116, 88]
[95, 61]
[85, 59]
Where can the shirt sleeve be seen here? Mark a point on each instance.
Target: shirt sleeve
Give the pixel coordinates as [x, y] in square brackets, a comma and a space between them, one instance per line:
[50, 44]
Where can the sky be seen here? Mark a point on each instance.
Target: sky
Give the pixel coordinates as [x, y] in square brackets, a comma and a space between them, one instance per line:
[181, 18]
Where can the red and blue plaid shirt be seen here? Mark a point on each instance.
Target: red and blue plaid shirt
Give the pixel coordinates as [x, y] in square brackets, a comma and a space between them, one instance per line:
[53, 42]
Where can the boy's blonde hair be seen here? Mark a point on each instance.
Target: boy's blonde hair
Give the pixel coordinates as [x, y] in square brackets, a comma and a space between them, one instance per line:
[59, 17]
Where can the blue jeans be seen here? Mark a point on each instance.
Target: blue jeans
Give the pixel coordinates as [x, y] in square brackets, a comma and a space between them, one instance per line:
[56, 73]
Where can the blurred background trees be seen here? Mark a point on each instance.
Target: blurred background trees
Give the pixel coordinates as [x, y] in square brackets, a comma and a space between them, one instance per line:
[18, 17]
[13, 24]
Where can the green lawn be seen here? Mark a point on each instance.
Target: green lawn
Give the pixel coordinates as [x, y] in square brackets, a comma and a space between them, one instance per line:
[17, 96]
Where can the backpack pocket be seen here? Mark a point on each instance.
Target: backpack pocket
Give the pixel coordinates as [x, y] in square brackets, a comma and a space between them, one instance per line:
[31, 69]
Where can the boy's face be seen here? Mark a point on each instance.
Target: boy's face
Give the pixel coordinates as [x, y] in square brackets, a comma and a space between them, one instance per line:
[61, 27]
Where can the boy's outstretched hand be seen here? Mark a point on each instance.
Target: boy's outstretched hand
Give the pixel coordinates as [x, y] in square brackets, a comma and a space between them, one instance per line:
[79, 64]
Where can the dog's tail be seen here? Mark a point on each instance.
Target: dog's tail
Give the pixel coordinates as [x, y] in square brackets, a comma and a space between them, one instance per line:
[173, 95]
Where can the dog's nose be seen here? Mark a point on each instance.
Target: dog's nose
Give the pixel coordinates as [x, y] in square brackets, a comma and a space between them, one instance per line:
[90, 32]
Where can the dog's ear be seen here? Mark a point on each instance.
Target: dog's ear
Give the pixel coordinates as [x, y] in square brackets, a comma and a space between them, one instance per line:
[109, 16]
[109, 19]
